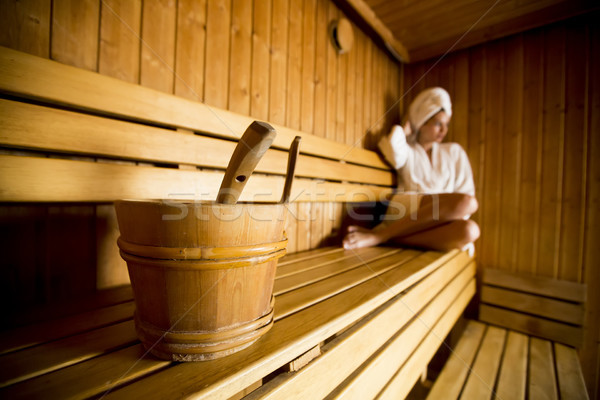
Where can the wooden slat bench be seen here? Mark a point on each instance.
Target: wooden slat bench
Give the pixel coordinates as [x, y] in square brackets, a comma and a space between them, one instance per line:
[378, 319]
[376, 315]
[525, 345]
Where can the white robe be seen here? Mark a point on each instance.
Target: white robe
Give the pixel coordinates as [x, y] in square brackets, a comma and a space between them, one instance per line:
[449, 170]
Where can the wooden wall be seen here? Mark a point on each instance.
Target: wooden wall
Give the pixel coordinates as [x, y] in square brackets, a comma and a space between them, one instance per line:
[270, 59]
[527, 110]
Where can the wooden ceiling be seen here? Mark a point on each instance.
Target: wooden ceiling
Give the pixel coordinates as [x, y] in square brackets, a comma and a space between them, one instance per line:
[420, 29]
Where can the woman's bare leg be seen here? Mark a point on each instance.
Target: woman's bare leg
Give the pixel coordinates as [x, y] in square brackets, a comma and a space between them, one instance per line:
[433, 210]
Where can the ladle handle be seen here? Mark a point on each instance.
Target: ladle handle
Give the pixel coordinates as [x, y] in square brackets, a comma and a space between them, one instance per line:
[252, 146]
[291, 167]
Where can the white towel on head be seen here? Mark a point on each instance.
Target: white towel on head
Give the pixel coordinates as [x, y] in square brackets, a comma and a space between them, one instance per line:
[428, 103]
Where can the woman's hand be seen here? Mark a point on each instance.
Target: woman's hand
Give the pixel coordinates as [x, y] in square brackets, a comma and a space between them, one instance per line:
[407, 129]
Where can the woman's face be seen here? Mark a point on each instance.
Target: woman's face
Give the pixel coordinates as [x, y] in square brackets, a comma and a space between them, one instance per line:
[435, 129]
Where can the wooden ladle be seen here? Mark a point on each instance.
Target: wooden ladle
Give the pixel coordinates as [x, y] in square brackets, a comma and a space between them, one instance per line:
[252, 146]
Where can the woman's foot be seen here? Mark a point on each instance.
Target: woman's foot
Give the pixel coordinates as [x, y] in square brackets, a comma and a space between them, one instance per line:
[358, 237]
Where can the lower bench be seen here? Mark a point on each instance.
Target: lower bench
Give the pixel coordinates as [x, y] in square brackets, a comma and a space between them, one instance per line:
[491, 362]
[361, 324]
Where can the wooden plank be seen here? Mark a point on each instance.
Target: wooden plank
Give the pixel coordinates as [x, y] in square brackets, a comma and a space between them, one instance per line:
[279, 60]
[261, 58]
[332, 65]
[157, 64]
[49, 180]
[481, 381]
[316, 224]
[241, 59]
[392, 43]
[94, 377]
[218, 23]
[120, 24]
[350, 95]
[33, 77]
[531, 145]
[377, 371]
[307, 86]
[411, 371]
[451, 380]
[294, 65]
[75, 33]
[26, 26]
[35, 361]
[318, 273]
[291, 302]
[30, 126]
[362, 340]
[560, 289]
[491, 193]
[33, 335]
[190, 49]
[306, 260]
[542, 376]
[321, 48]
[304, 256]
[556, 331]
[511, 152]
[568, 371]
[512, 382]
[536, 305]
[289, 338]
[303, 231]
[552, 153]
[590, 355]
[574, 164]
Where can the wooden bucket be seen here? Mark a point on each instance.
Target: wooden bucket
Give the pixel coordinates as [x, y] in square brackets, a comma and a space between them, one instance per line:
[202, 273]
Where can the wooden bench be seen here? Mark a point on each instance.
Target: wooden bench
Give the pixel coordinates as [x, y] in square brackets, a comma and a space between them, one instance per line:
[375, 315]
[342, 318]
[525, 345]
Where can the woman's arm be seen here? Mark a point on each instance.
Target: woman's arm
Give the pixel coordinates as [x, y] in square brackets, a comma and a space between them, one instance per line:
[394, 146]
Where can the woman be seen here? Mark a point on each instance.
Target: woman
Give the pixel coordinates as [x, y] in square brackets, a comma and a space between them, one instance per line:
[439, 192]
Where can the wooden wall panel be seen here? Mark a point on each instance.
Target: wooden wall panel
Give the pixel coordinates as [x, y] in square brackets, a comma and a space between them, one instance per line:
[241, 59]
[158, 44]
[26, 26]
[261, 41]
[531, 134]
[190, 49]
[218, 21]
[120, 23]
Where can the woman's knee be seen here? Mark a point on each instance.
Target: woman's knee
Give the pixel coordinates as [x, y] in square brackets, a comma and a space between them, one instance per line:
[467, 231]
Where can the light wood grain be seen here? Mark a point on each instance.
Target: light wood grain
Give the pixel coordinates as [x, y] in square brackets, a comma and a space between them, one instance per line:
[157, 63]
[568, 371]
[450, 382]
[542, 376]
[560, 289]
[482, 379]
[217, 64]
[261, 60]
[411, 371]
[28, 179]
[38, 360]
[26, 26]
[44, 79]
[373, 376]
[564, 333]
[241, 57]
[190, 50]
[75, 33]
[120, 23]
[365, 339]
[512, 381]
[289, 337]
[537, 305]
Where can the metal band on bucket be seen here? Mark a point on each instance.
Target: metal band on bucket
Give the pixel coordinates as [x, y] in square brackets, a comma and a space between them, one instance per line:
[199, 253]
